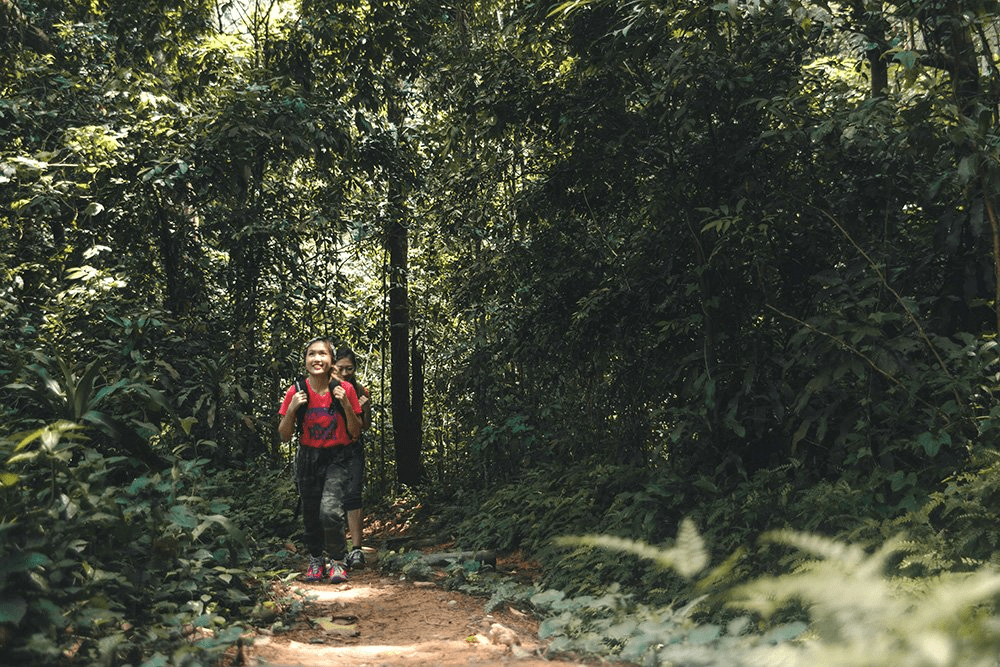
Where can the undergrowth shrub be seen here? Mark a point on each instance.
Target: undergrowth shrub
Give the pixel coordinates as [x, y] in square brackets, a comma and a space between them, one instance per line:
[263, 501]
[622, 500]
[648, 504]
[545, 502]
[101, 563]
[955, 529]
[471, 578]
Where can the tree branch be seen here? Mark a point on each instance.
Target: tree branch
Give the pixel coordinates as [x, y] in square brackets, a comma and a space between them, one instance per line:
[14, 21]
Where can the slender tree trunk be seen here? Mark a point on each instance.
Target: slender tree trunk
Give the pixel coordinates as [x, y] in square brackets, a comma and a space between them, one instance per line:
[995, 228]
[879, 72]
[406, 428]
[246, 259]
[417, 399]
[951, 47]
[407, 447]
[871, 23]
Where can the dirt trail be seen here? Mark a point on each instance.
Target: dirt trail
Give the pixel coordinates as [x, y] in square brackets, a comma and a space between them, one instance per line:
[376, 620]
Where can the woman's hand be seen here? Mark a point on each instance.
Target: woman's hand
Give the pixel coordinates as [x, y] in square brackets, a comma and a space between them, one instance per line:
[299, 399]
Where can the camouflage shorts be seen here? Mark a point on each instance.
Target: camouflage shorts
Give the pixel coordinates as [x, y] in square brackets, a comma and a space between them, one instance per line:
[323, 477]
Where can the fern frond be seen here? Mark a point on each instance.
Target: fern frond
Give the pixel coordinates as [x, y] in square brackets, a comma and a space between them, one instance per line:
[818, 545]
[876, 563]
[952, 594]
[687, 557]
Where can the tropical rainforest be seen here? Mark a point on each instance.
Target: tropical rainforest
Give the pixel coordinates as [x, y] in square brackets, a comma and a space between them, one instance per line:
[695, 303]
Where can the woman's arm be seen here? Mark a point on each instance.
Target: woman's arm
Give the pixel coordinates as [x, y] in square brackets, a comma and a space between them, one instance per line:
[286, 427]
[349, 401]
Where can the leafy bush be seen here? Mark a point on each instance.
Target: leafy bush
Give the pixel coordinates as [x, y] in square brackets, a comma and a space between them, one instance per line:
[527, 513]
[955, 529]
[102, 563]
[263, 502]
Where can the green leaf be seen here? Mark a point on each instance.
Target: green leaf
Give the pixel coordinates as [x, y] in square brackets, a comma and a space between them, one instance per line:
[187, 423]
[139, 484]
[21, 562]
[93, 208]
[182, 516]
[908, 59]
[214, 518]
[83, 392]
[108, 390]
[47, 434]
[547, 597]
[552, 626]
[568, 7]
[967, 168]
[12, 609]
[931, 443]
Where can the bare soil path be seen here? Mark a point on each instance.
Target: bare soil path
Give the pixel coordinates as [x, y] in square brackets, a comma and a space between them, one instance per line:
[379, 620]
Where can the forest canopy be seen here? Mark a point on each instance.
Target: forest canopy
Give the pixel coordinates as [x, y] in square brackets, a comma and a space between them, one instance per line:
[638, 261]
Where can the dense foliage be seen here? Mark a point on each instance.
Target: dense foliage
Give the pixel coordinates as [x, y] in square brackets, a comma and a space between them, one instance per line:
[606, 265]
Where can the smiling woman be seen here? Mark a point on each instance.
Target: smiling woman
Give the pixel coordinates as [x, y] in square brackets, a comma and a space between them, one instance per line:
[329, 423]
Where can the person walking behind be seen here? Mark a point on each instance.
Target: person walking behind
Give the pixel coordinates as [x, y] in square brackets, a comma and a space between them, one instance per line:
[344, 368]
[329, 422]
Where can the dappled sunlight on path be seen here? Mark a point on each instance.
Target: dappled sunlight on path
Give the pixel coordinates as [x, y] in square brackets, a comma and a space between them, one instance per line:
[379, 621]
[426, 654]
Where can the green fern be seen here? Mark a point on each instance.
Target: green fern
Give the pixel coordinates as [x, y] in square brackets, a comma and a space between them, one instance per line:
[688, 555]
[860, 611]
[860, 616]
[955, 528]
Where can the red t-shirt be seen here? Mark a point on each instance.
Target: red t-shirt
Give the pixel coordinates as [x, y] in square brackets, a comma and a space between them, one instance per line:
[322, 427]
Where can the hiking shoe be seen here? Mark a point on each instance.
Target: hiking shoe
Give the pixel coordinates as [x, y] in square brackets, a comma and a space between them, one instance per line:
[356, 559]
[315, 570]
[338, 573]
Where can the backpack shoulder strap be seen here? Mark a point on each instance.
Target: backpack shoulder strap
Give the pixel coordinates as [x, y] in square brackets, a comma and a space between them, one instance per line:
[300, 385]
[335, 406]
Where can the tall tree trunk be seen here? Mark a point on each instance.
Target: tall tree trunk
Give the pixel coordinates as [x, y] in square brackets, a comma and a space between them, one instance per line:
[246, 259]
[950, 38]
[177, 230]
[406, 445]
[870, 21]
[406, 429]
[879, 71]
[16, 28]
[417, 398]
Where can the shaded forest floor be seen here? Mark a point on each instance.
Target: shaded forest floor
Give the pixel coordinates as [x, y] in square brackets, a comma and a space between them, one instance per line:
[377, 619]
